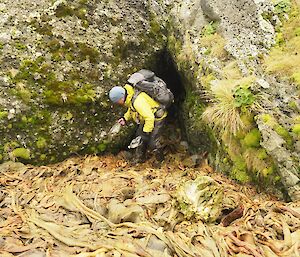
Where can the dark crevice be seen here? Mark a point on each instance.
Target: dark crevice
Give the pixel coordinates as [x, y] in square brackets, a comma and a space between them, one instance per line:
[199, 140]
[166, 69]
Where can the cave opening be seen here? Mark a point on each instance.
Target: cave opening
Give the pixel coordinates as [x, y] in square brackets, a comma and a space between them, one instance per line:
[165, 68]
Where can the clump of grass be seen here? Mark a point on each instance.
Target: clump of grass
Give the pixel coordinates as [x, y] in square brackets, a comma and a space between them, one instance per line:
[230, 98]
[215, 44]
[223, 114]
[232, 71]
[283, 59]
[253, 160]
[212, 41]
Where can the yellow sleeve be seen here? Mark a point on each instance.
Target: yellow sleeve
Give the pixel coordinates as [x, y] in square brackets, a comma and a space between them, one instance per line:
[127, 115]
[145, 110]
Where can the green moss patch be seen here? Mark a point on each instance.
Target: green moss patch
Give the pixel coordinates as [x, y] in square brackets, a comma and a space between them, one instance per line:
[22, 153]
[262, 154]
[281, 131]
[252, 139]
[296, 78]
[41, 143]
[239, 170]
[3, 114]
[296, 129]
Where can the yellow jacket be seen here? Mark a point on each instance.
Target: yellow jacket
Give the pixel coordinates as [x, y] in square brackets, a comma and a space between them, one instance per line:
[143, 109]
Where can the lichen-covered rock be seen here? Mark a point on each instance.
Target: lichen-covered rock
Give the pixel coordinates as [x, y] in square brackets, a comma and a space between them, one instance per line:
[287, 167]
[200, 198]
[58, 59]
[224, 52]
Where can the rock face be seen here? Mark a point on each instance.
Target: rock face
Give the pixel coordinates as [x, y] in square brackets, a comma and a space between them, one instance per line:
[237, 61]
[241, 76]
[58, 59]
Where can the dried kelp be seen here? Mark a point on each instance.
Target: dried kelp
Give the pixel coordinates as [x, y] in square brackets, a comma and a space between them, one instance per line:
[102, 206]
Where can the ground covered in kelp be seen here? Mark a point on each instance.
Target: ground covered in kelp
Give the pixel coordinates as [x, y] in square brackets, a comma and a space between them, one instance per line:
[103, 206]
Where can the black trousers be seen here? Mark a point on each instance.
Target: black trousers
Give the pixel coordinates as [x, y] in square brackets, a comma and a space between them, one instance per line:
[154, 145]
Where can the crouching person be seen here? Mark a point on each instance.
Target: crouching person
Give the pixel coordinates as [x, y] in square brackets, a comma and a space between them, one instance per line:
[146, 112]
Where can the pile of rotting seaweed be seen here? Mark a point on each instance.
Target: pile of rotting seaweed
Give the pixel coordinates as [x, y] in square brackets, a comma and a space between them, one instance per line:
[102, 206]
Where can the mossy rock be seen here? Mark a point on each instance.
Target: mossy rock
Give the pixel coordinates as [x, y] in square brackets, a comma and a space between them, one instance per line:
[252, 139]
[22, 153]
[296, 129]
[281, 131]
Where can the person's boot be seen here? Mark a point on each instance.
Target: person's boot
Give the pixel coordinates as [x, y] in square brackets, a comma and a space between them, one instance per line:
[159, 155]
[159, 158]
[139, 155]
[128, 155]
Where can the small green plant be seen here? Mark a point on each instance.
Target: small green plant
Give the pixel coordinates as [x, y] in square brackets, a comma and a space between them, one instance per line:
[243, 97]
[3, 114]
[283, 6]
[230, 101]
[210, 28]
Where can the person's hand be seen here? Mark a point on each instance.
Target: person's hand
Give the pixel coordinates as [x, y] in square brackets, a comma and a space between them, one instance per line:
[122, 121]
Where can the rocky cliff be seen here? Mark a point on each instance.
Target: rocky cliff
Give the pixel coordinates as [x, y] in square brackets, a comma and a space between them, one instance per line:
[241, 70]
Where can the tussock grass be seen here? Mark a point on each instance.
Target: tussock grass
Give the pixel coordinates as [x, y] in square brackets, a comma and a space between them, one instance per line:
[232, 71]
[282, 63]
[216, 44]
[284, 59]
[223, 114]
[253, 161]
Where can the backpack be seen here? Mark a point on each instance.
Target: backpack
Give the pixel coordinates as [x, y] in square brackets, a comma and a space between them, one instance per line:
[155, 87]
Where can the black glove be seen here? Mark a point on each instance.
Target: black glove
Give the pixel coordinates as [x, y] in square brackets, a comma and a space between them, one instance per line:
[145, 137]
